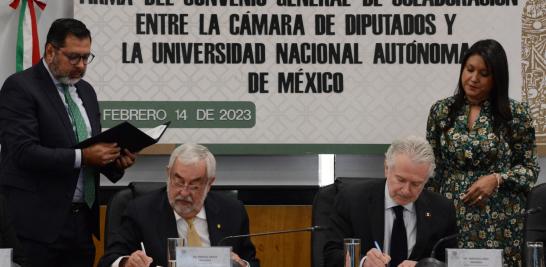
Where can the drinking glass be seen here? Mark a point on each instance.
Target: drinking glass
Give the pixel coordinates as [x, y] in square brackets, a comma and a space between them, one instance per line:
[351, 250]
[534, 256]
[172, 244]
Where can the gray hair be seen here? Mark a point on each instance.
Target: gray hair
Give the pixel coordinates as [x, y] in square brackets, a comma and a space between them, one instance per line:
[416, 148]
[194, 153]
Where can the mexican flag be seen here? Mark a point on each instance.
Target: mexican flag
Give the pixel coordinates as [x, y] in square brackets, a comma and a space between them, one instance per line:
[28, 46]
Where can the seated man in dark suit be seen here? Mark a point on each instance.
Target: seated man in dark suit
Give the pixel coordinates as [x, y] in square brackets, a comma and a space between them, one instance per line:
[185, 208]
[405, 220]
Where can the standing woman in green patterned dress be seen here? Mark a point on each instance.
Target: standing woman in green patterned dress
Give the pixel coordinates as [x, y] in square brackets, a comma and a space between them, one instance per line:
[484, 143]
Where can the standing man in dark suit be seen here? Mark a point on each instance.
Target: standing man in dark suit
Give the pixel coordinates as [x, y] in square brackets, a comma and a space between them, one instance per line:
[186, 208]
[396, 213]
[8, 237]
[50, 187]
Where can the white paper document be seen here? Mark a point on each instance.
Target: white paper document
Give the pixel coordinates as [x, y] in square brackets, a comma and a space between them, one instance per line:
[5, 256]
[474, 257]
[156, 132]
[203, 256]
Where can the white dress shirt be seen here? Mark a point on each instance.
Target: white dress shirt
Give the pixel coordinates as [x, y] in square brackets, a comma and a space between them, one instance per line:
[201, 226]
[78, 193]
[410, 221]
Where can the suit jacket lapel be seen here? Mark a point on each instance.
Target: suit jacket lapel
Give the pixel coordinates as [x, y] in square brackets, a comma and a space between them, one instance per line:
[214, 221]
[166, 223]
[52, 93]
[423, 225]
[377, 212]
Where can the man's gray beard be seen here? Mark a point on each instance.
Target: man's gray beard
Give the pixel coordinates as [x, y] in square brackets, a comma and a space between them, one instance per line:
[66, 80]
[63, 79]
[185, 210]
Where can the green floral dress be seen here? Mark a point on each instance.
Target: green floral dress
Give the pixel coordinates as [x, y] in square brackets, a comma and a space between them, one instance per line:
[462, 156]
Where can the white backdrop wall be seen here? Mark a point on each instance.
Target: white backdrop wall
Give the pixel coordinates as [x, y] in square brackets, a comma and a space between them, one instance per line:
[376, 102]
[8, 32]
[232, 170]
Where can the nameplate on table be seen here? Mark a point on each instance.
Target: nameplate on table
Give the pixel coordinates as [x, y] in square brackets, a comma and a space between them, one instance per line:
[203, 256]
[474, 257]
[5, 256]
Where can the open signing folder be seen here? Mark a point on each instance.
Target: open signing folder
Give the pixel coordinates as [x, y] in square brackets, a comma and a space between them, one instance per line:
[127, 136]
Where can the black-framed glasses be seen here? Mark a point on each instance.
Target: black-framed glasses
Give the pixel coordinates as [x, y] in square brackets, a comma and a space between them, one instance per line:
[192, 187]
[74, 58]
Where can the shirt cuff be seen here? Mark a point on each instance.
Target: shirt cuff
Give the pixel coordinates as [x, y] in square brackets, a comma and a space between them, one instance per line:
[116, 263]
[247, 264]
[78, 159]
[362, 261]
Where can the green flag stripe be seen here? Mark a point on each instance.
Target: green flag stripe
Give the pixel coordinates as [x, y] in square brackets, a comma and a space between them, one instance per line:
[20, 49]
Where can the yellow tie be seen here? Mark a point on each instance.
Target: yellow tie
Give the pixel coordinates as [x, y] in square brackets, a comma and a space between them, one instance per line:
[193, 237]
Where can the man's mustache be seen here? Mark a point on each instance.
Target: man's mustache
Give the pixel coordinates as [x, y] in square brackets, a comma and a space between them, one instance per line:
[187, 198]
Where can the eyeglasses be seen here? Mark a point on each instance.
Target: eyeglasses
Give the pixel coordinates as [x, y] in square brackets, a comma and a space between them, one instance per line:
[74, 58]
[193, 187]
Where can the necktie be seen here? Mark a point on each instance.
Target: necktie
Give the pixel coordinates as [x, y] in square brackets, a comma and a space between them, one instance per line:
[193, 237]
[399, 240]
[81, 134]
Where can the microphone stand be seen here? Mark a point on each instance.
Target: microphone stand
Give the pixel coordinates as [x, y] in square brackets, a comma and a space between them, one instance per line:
[433, 262]
[307, 229]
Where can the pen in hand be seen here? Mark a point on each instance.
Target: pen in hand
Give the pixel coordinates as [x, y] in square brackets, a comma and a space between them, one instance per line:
[377, 246]
[147, 257]
[142, 247]
[387, 258]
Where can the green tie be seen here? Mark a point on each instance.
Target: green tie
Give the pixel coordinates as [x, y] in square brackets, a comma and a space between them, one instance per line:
[81, 134]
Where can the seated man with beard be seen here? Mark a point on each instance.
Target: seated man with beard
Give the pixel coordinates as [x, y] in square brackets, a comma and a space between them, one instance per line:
[184, 207]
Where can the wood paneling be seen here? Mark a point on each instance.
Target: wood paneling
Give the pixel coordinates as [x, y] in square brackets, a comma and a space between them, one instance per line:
[158, 149]
[274, 250]
[285, 249]
[99, 244]
[541, 149]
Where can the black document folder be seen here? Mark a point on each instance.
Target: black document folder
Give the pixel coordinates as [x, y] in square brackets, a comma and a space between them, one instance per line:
[127, 136]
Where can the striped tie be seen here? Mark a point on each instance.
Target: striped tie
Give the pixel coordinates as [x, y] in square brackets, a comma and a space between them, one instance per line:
[81, 134]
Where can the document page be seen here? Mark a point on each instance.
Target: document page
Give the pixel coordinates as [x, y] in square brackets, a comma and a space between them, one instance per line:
[156, 132]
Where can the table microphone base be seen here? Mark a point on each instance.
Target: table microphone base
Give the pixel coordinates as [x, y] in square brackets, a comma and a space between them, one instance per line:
[430, 262]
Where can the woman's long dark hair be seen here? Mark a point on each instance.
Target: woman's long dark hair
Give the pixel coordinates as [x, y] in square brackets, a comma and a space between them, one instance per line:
[495, 60]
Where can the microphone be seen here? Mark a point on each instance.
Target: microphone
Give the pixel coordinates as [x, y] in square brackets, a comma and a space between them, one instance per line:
[433, 262]
[442, 240]
[314, 228]
[533, 210]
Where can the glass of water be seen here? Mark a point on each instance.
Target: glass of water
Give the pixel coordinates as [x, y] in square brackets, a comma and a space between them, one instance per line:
[172, 244]
[534, 256]
[351, 249]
